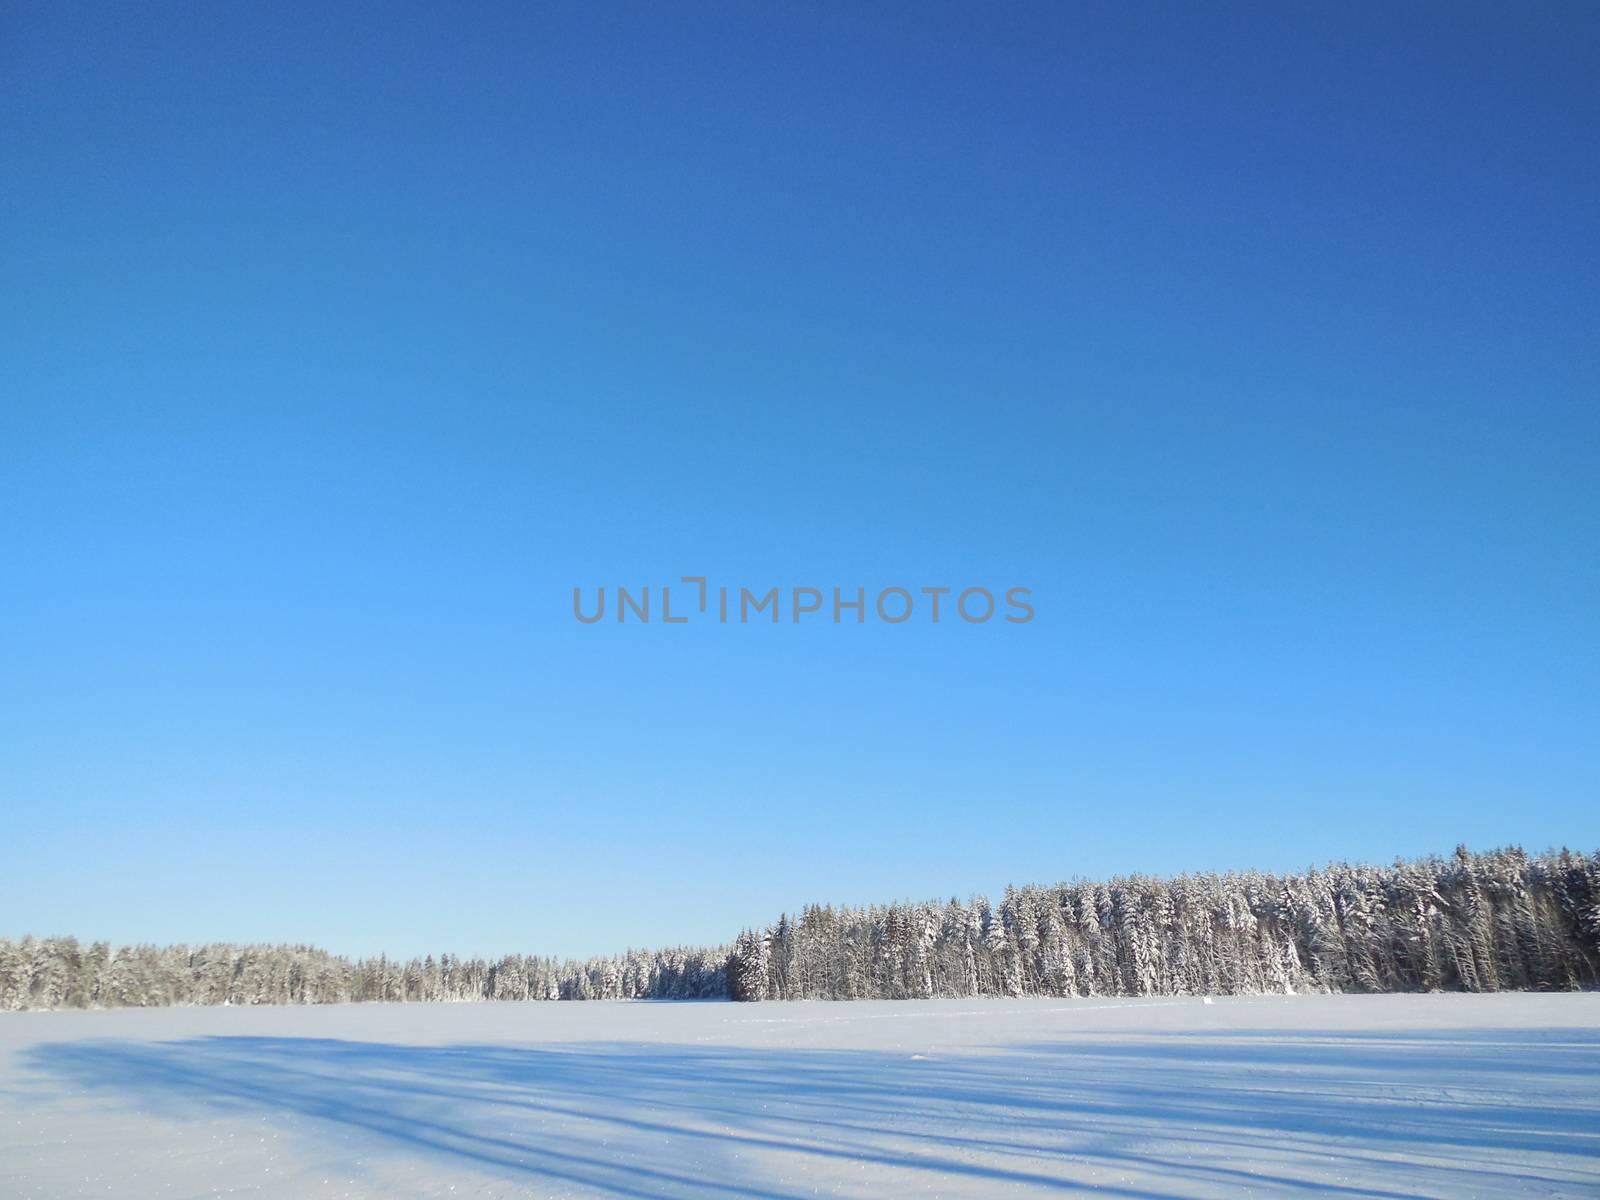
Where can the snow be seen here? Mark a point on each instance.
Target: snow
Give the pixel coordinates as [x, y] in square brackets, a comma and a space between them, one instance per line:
[1345, 1096]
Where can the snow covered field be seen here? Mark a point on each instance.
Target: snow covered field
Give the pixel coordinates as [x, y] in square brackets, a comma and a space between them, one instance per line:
[1385, 1096]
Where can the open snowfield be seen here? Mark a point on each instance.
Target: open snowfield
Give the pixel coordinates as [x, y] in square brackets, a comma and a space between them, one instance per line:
[1446, 1095]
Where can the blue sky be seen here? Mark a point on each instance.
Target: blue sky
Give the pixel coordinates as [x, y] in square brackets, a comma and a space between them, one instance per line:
[340, 346]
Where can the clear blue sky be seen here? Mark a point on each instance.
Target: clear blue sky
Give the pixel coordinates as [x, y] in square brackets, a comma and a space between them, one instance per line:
[337, 347]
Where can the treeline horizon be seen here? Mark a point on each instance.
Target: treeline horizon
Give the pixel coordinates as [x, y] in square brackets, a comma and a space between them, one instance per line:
[1500, 920]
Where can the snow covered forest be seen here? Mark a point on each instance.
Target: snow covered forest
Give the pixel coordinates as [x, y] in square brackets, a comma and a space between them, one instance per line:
[1501, 920]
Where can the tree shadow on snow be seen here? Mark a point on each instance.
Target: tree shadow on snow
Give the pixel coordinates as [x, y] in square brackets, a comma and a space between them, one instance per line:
[1390, 1114]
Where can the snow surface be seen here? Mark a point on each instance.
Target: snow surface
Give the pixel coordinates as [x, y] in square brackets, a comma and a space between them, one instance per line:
[1381, 1096]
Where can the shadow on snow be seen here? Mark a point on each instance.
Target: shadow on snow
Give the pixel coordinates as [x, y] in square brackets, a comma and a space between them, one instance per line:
[1147, 1116]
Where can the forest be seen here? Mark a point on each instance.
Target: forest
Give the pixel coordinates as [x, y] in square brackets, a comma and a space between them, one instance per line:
[1501, 920]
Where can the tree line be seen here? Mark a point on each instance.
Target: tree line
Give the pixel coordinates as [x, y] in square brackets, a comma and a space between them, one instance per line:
[61, 972]
[1472, 922]
[1502, 920]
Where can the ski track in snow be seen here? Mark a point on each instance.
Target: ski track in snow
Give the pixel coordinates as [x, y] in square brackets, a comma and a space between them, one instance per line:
[1447, 1096]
